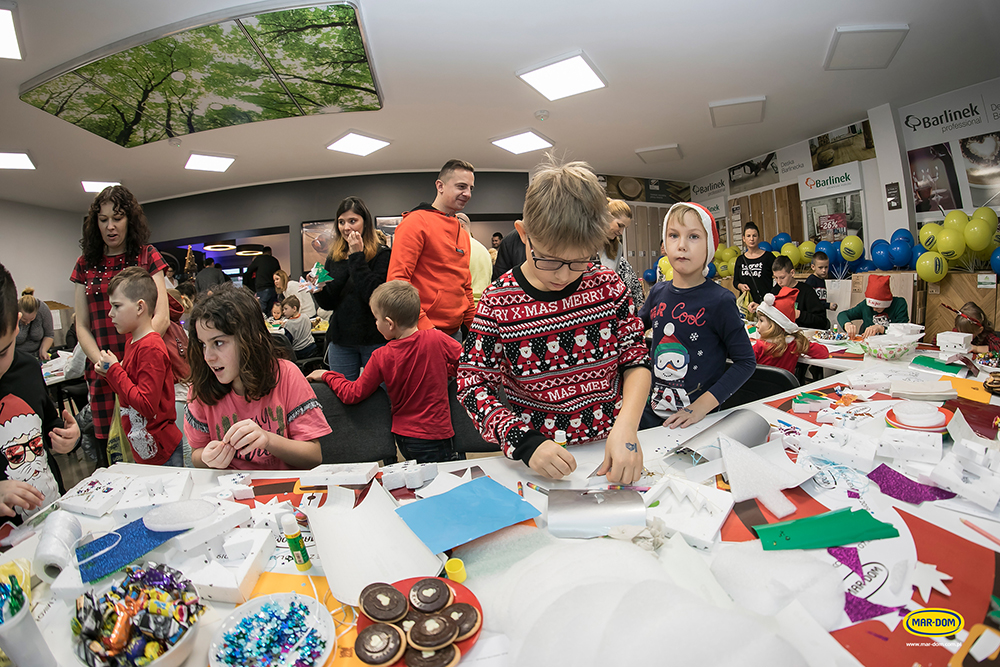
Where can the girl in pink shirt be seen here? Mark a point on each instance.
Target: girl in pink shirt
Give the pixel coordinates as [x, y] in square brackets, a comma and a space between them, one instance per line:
[248, 410]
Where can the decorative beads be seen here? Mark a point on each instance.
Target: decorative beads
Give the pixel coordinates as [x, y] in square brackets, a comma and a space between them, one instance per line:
[266, 637]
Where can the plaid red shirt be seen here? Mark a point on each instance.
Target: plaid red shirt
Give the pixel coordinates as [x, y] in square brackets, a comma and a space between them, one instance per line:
[96, 280]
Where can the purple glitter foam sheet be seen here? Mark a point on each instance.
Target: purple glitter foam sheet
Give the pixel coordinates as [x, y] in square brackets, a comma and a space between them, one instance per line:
[899, 486]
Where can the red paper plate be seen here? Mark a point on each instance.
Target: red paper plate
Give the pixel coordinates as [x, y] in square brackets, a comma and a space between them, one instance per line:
[890, 419]
[461, 594]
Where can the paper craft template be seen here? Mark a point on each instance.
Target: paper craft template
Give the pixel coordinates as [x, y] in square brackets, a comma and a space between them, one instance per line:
[927, 577]
[910, 446]
[982, 487]
[843, 446]
[880, 378]
[694, 511]
[830, 396]
[339, 474]
[96, 495]
[231, 575]
[476, 508]
[145, 493]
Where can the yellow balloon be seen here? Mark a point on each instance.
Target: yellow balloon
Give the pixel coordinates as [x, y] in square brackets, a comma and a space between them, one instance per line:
[731, 266]
[978, 234]
[950, 243]
[719, 268]
[932, 267]
[719, 250]
[929, 234]
[852, 248]
[808, 249]
[956, 220]
[791, 251]
[776, 253]
[736, 249]
[668, 272]
[987, 214]
[729, 254]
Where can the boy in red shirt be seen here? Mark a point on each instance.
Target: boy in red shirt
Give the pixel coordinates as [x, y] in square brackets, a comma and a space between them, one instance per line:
[415, 367]
[143, 381]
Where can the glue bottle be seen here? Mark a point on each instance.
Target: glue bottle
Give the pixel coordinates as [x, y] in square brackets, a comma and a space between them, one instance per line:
[560, 438]
[295, 543]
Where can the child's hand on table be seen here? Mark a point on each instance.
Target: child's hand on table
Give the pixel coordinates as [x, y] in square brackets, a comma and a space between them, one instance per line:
[873, 330]
[622, 456]
[316, 375]
[18, 494]
[246, 436]
[217, 454]
[552, 461]
[64, 439]
[693, 413]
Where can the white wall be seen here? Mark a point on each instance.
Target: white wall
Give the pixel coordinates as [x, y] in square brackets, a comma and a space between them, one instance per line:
[39, 246]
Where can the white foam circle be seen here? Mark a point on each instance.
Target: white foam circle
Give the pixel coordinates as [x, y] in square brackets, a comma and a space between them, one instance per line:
[180, 515]
[918, 414]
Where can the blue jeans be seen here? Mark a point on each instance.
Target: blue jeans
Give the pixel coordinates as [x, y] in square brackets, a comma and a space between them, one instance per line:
[348, 359]
[176, 459]
[267, 297]
[426, 451]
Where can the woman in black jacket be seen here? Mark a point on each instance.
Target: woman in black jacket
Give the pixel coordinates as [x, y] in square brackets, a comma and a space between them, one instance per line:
[358, 263]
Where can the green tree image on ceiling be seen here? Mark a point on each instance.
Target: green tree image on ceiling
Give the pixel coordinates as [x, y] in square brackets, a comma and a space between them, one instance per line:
[276, 65]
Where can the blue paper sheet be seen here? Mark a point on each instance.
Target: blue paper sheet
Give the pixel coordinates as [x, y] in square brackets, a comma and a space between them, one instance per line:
[136, 541]
[476, 508]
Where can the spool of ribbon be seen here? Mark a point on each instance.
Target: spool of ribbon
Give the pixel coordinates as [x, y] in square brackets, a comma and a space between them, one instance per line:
[60, 533]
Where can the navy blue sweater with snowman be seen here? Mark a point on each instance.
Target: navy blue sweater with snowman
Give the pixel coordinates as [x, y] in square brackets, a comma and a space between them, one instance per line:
[694, 331]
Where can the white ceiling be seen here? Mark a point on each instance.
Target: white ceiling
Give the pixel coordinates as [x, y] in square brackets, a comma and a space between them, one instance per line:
[446, 71]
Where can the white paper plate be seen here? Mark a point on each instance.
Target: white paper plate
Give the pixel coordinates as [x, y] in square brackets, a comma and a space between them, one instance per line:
[319, 618]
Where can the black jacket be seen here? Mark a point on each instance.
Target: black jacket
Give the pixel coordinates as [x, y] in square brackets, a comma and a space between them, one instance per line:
[812, 314]
[511, 253]
[347, 293]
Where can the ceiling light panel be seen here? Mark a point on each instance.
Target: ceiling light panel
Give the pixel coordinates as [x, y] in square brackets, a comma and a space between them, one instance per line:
[97, 186]
[742, 111]
[15, 161]
[357, 144]
[666, 153]
[864, 46]
[199, 162]
[568, 75]
[9, 47]
[524, 142]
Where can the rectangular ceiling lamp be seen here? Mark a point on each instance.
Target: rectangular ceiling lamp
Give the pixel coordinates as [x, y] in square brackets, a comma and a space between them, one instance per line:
[742, 111]
[15, 161]
[9, 47]
[864, 46]
[357, 144]
[567, 75]
[200, 162]
[667, 153]
[97, 186]
[525, 142]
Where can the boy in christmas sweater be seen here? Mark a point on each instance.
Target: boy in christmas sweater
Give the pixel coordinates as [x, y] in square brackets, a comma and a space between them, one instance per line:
[560, 335]
[696, 326]
[879, 309]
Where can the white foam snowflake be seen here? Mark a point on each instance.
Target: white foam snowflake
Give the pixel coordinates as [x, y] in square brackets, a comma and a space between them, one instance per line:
[701, 352]
[694, 335]
[694, 368]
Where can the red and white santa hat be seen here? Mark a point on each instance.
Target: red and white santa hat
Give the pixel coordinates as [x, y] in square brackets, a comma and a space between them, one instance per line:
[781, 309]
[17, 419]
[877, 294]
[711, 230]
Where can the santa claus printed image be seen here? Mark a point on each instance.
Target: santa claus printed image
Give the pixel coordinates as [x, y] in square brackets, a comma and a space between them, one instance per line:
[22, 447]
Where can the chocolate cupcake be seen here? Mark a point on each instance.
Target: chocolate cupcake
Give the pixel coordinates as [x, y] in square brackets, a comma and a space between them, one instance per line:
[446, 657]
[412, 616]
[430, 595]
[382, 603]
[432, 633]
[380, 644]
[466, 617]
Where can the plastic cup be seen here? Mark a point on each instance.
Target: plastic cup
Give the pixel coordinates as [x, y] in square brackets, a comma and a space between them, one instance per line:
[455, 570]
[22, 641]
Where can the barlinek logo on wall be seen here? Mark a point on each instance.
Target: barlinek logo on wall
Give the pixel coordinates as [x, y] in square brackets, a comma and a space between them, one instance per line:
[958, 118]
[843, 179]
[711, 187]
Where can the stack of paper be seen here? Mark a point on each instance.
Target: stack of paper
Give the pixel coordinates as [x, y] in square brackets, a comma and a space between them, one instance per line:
[923, 391]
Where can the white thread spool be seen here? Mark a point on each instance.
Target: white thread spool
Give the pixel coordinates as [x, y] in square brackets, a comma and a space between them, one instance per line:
[54, 552]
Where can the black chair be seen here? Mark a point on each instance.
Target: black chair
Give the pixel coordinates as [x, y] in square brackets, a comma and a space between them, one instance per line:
[467, 438]
[310, 364]
[361, 432]
[765, 382]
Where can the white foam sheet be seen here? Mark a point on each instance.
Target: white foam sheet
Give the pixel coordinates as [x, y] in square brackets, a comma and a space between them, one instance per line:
[611, 589]
[766, 582]
[678, 556]
[359, 545]
[817, 645]
[692, 510]
[750, 476]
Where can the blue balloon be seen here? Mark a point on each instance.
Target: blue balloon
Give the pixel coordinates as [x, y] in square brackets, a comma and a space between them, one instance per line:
[879, 242]
[781, 239]
[825, 247]
[835, 256]
[995, 261]
[901, 252]
[711, 270]
[649, 275]
[902, 234]
[765, 246]
[866, 266]
[882, 258]
[915, 254]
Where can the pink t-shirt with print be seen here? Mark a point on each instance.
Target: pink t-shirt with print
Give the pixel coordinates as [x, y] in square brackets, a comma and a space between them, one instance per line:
[290, 410]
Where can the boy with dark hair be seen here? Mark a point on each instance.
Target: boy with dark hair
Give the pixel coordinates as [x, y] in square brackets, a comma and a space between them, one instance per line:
[30, 426]
[817, 280]
[415, 366]
[560, 335]
[810, 312]
[298, 328]
[144, 380]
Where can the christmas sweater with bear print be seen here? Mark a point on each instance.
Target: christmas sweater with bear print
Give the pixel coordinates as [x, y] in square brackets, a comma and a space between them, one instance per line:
[558, 356]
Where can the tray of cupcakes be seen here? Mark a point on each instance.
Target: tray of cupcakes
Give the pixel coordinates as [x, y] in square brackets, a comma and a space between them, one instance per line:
[429, 622]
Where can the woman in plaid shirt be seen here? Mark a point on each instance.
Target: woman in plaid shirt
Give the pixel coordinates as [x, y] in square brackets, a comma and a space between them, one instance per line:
[115, 236]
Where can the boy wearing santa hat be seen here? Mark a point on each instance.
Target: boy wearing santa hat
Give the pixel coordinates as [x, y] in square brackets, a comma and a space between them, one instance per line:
[879, 309]
[30, 426]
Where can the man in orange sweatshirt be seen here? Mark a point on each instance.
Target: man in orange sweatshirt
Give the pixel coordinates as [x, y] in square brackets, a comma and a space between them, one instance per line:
[431, 252]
